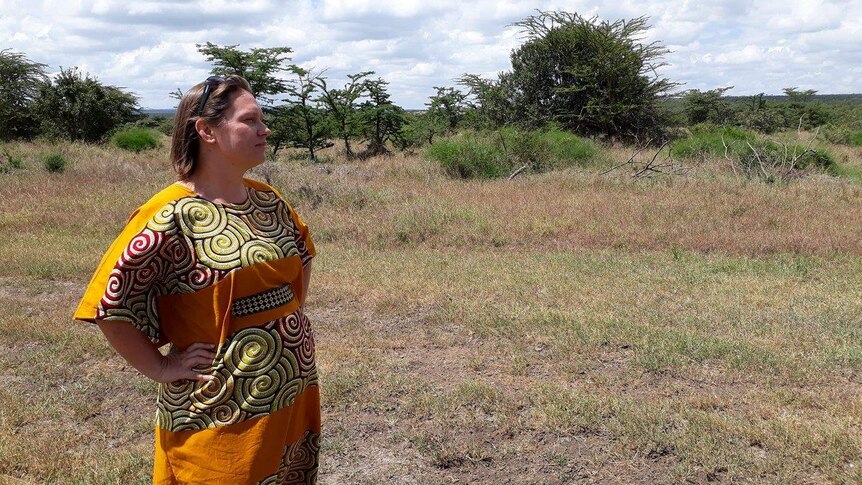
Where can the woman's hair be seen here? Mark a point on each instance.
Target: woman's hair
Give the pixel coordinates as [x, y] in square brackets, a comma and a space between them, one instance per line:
[185, 144]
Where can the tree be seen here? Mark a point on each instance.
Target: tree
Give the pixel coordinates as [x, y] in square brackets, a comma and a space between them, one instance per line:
[491, 99]
[594, 78]
[707, 106]
[20, 79]
[306, 121]
[802, 113]
[259, 66]
[343, 106]
[382, 121]
[797, 96]
[76, 106]
[448, 106]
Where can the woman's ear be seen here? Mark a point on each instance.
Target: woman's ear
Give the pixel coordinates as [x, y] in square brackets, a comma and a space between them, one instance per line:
[205, 132]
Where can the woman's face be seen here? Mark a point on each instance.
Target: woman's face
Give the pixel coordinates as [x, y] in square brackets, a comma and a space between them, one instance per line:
[241, 136]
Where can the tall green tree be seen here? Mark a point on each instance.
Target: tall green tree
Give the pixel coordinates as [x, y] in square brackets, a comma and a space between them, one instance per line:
[593, 77]
[707, 106]
[448, 106]
[343, 106]
[261, 67]
[20, 79]
[309, 125]
[78, 107]
[492, 99]
[382, 121]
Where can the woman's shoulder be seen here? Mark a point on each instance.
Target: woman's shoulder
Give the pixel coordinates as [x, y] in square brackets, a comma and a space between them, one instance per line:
[259, 186]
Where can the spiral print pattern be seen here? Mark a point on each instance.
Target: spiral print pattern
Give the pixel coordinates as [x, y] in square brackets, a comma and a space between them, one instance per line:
[199, 218]
[117, 288]
[179, 252]
[265, 223]
[257, 374]
[189, 245]
[290, 329]
[214, 393]
[164, 221]
[254, 352]
[299, 463]
[265, 201]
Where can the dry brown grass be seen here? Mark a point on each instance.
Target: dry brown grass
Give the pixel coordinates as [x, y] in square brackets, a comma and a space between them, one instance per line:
[552, 329]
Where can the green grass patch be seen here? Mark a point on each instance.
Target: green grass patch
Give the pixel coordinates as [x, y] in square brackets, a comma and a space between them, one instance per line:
[848, 171]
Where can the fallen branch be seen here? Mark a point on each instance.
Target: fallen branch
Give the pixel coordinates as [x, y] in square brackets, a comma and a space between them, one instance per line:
[518, 172]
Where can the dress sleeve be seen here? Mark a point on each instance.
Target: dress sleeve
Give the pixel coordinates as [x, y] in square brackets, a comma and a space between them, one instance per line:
[303, 237]
[132, 275]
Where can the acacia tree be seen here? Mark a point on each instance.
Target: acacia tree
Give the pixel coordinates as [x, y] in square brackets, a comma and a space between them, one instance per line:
[343, 106]
[76, 106]
[703, 106]
[259, 66]
[309, 127]
[593, 77]
[448, 106]
[20, 79]
[382, 121]
[492, 99]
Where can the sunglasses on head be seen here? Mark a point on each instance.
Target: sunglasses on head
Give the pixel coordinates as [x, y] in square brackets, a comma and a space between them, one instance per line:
[209, 84]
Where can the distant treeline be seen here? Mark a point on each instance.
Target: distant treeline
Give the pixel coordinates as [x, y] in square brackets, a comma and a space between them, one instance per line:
[584, 76]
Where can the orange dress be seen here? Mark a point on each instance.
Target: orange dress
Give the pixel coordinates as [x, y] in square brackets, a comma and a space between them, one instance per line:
[188, 270]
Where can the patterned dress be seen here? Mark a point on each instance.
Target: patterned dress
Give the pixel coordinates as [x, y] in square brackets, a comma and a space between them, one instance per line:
[187, 270]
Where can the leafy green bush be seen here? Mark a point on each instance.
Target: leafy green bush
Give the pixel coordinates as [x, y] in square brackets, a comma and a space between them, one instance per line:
[54, 162]
[136, 139]
[76, 106]
[493, 154]
[842, 134]
[469, 156]
[567, 149]
[755, 156]
[166, 126]
[708, 140]
[12, 161]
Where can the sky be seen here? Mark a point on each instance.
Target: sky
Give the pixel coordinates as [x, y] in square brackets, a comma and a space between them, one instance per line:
[148, 46]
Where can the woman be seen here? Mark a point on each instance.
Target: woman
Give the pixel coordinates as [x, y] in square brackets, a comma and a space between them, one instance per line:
[218, 266]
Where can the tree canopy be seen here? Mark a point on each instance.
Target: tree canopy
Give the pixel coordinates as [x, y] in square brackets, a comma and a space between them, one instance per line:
[20, 79]
[593, 77]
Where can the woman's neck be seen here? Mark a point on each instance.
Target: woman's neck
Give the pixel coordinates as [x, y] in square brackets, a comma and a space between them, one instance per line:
[220, 186]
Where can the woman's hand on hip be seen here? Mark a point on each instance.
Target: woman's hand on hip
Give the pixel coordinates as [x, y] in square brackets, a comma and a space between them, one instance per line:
[195, 363]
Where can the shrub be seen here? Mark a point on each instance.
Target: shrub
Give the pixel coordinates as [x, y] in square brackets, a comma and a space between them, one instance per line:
[12, 161]
[709, 140]
[817, 158]
[54, 162]
[166, 126]
[136, 139]
[764, 120]
[76, 106]
[493, 154]
[756, 157]
[469, 156]
[567, 149]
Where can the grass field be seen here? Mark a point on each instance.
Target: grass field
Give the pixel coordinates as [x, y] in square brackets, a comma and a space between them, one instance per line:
[558, 328]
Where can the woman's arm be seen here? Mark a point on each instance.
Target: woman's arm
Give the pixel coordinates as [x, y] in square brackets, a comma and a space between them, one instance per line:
[141, 354]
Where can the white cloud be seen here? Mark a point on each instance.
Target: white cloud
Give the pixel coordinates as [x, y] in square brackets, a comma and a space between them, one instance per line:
[148, 46]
